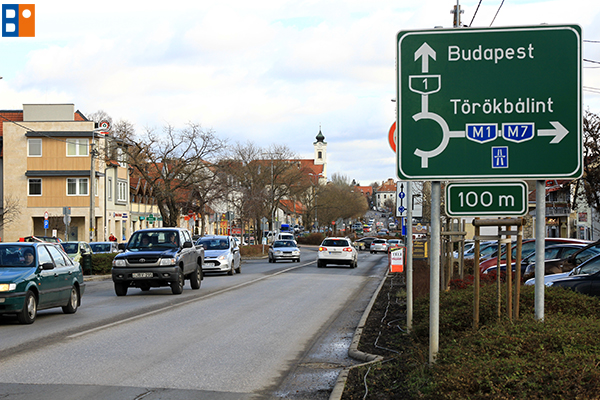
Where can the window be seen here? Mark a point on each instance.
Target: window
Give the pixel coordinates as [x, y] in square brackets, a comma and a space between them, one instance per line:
[121, 191]
[109, 189]
[319, 155]
[35, 187]
[34, 147]
[77, 186]
[77, 147]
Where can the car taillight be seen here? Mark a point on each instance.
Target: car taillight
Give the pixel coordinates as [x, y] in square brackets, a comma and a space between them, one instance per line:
[321, 248]
[348, 249]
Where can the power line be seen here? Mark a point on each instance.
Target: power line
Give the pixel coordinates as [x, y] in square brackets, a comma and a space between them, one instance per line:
[477, 9]
[497, 12]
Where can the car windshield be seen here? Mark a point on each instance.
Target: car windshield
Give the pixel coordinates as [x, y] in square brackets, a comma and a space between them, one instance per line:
[214, 243]
[70, 248]
[591, 267]
[154, 240]
[335, 242]
[100, 247]
[284, 243]
[17, 256]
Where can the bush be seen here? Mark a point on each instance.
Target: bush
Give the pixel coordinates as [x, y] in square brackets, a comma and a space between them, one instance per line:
[314, 238]
[102, 263]
[255, 250]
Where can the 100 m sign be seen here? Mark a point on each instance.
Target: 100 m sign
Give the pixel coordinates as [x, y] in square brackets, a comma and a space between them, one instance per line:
[489, 199]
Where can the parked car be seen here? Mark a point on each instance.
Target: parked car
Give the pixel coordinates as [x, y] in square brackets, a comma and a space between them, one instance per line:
[48, 239]
[36, 276]
[561, 258]
[221, 254]
[364, 243]
[77, 250]
[590, 266]
[158, 257]
[378, 245]
[586, 280]
[527, 247]
[337, 250]
[104, 247]
[552, 255]
[284, 250]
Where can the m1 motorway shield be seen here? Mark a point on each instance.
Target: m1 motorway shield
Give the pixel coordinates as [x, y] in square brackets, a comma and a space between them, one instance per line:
[491, 103]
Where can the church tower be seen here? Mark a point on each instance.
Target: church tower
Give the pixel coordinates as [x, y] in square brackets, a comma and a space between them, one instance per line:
[321, 152]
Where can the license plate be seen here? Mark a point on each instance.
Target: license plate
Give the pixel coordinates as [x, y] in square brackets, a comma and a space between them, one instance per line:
[142, 275]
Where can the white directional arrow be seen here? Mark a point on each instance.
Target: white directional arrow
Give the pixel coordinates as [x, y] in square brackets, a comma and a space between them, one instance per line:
[559, 132]
[425, 51]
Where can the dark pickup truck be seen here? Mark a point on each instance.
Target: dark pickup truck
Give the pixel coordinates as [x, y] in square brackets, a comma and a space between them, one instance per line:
[158, 257]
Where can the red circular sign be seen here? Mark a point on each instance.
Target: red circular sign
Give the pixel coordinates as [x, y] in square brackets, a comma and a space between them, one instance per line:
[392, 137]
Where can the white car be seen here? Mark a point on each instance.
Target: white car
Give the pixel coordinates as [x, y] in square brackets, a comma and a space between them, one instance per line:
[337, 250]
[221, 254]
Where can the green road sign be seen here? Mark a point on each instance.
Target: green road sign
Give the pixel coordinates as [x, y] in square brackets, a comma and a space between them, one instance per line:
[491, 103]
[489, 199]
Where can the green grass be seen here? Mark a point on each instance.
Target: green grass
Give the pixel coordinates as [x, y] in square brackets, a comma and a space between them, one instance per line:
[558, 358]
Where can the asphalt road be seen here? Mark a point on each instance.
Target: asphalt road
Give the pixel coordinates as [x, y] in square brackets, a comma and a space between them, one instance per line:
[274, 331]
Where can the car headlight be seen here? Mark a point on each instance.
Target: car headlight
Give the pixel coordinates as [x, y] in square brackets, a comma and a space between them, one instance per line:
[167, 261]
[278, 252]
[119, 262]
[222, 257]
[297, 252]
[7, 287]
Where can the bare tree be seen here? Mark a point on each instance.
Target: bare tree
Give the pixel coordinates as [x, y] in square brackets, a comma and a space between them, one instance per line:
[587, 188]
[338, 199]
[10, 211]
[174, 163]
[263, 178]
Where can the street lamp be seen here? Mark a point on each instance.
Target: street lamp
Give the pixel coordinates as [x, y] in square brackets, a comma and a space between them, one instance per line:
[104, 126]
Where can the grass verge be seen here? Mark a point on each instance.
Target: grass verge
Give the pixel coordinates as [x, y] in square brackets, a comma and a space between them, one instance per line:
[558, 358]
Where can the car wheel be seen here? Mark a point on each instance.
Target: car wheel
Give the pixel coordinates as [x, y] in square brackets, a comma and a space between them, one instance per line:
[177, 286]
[121, 288]
[230, 272]
[195, 278]
[73, 303]
[320, 264]
[238, 270]
[29, 311]
[355, 264]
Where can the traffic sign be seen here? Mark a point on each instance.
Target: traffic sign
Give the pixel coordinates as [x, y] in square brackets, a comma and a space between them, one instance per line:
[401, 203]
[46, 216]
[46, 224]
[491, 103]
[150, 218]
[490, 199]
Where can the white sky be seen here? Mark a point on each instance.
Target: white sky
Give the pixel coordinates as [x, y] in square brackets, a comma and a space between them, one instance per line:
[268, 71]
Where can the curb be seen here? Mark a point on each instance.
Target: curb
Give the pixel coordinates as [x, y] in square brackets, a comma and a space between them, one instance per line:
[353, 351]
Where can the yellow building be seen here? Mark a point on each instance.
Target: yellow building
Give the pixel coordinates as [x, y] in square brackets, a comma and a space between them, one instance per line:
[46, 173]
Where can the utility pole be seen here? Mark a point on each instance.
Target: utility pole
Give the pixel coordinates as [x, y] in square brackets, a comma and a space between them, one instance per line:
[457, 11]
